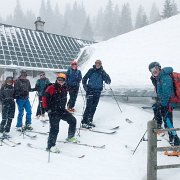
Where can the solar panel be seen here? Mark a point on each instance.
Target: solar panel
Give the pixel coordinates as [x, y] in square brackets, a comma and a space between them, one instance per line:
[25, 47]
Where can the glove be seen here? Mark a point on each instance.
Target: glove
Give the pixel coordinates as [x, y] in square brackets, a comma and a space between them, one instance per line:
[85, 87]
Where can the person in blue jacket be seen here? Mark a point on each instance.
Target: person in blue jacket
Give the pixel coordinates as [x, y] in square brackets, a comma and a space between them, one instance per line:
[163, 108]
[40, 87]
[93, 85]
[73, 80]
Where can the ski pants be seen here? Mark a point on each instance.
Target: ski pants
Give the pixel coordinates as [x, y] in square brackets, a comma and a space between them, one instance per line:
[40, 109]
[23, 104]
[73, 92]
[164, 114]
[54, 119]
[92, 100]
[8, 110]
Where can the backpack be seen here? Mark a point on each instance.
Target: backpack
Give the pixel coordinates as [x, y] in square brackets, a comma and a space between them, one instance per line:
[176, 82]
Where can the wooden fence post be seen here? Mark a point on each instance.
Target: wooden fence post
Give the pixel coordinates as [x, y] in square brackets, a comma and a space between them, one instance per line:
[152, 151]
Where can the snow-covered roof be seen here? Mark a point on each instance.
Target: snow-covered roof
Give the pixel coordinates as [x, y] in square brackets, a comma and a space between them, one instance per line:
[34, 49]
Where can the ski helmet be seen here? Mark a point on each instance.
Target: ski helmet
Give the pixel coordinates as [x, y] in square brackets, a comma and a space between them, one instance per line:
[9, 79]
[154, 64]
[61, 75]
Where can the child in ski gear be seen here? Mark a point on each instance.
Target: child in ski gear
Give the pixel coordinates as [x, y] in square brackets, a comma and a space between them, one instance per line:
[54, 101]
[163, 108]
[40, 86]
[8, 105]
[73, 81]
[93, 85]
[22, 87]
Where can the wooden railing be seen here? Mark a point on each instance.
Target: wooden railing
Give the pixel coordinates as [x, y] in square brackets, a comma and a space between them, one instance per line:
[153, 149]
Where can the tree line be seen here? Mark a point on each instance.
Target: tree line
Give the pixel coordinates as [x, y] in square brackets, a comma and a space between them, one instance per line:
[109, 22]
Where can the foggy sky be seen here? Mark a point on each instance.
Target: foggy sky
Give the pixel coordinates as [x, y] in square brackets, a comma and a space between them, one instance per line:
[7, 6]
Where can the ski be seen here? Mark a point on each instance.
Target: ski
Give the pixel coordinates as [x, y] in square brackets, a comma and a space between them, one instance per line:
[114, 128]
[39, 132]
[28, 135]
[146, 107]
[128, 121]
[172, 153]
[62, 152]
[83, 144]
[99, 131]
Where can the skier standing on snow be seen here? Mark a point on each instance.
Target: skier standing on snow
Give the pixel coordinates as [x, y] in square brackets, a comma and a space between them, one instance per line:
[163, 108]
[8, 105]
[93, 85]
[54, 102]
[22, 87]
[40, 86]
[73, 81]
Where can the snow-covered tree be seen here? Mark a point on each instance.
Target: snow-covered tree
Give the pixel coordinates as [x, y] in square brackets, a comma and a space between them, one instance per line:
[154, 14]
[141, 18]
[126, 20]
[168, 9]
[87, 32]
[108, 21]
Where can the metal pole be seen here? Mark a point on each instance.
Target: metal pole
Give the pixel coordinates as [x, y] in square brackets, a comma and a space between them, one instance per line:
[152, 151]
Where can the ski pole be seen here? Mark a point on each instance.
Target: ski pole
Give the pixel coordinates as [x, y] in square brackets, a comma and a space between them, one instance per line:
[49, 155]
[139, 142]
[78, 131]
[115, 98]
[34, 100]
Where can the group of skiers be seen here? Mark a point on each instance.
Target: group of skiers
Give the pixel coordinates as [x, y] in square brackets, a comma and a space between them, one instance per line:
[53, 100]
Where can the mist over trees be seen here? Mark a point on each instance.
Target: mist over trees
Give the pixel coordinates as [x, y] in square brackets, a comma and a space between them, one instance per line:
[74, 21]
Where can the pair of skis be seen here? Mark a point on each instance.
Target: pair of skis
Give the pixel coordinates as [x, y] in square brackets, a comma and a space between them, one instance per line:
[68, 154]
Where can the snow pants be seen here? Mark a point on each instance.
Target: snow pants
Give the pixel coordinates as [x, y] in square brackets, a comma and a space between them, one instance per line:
[23, 104]
[40, 109]
[73, 92]
[92, 100]
[8, 110]
[54, 119]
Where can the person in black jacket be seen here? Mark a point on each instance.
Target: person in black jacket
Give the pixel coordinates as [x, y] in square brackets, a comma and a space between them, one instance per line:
[93, 85]
[22, 87]
[8, 105]
[54, 101]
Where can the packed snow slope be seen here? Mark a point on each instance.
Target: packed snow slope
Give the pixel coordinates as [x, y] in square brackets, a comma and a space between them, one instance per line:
[114, 162]
[126, 58]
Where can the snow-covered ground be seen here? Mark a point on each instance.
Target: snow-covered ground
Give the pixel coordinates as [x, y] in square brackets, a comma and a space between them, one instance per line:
[112, 163]
[126, 58]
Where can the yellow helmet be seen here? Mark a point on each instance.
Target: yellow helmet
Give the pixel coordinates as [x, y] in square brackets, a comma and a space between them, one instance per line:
[61, 75]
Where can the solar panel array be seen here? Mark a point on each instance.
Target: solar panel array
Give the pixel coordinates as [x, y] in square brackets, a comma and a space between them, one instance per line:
[29, 48]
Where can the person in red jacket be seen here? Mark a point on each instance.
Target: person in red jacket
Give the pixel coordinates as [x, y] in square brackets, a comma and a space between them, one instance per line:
[54, 101]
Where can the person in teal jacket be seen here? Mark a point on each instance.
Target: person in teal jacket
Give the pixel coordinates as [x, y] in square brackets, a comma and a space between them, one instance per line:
[40, 87]
[163, 108]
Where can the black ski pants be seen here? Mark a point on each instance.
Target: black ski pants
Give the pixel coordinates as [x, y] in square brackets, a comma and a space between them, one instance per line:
[73, 92]
[40, 109]
[8, 110]
[54, 119]
[92, 100]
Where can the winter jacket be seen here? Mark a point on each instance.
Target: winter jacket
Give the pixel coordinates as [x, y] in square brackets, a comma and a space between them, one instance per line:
[22, 87]
[164, 86]
[6, 93]
[95, 79]
[55, 98]
[73, 77]
[41, 85]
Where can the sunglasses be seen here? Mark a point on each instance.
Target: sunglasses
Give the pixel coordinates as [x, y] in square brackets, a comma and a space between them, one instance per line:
[73, 64]
[42, 74]
[60, 79]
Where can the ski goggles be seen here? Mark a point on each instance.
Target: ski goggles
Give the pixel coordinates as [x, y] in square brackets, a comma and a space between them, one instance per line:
[60, 79]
